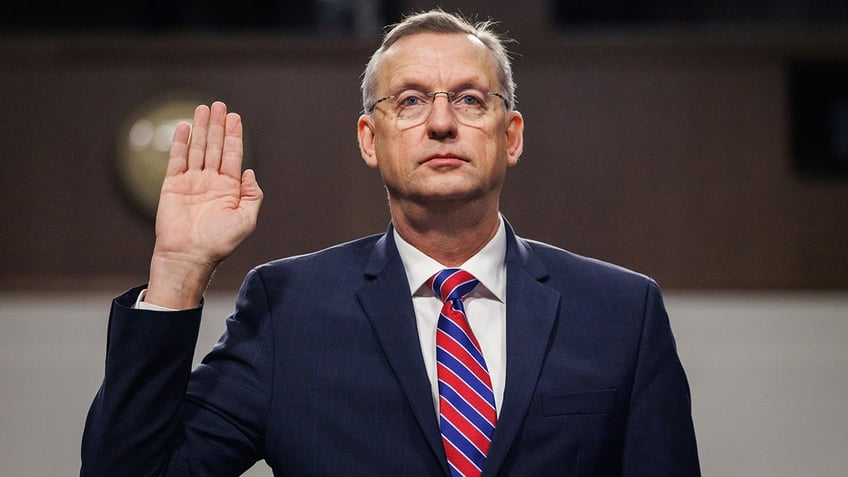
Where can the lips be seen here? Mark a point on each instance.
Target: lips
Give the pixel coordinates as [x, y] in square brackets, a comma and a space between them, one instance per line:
[443, 158]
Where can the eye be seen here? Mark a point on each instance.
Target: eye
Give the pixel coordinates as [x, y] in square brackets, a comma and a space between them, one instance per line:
[470, 99]
[406, 100]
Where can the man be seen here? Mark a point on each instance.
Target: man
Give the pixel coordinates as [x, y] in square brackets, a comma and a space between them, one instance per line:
[446, 346]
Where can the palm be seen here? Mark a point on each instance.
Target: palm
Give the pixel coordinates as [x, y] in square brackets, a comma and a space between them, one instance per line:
[206, 208]
[200, 214]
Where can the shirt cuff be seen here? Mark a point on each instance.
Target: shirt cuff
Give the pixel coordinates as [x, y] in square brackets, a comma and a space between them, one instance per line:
[140, 304]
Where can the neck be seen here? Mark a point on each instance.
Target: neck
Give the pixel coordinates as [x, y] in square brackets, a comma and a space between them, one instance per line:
[450, 234]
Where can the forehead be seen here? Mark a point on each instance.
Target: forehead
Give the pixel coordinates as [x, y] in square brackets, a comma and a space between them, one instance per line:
[437, 61]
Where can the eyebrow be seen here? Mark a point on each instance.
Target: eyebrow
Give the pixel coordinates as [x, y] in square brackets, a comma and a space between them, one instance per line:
[414, 85]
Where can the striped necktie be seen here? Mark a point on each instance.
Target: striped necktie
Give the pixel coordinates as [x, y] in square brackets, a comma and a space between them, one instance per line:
[467, 413]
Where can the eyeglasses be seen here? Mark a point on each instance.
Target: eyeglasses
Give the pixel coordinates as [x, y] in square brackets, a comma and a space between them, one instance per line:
[411, 108]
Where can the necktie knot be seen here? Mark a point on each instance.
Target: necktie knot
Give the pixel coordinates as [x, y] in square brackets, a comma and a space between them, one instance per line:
[452, 284]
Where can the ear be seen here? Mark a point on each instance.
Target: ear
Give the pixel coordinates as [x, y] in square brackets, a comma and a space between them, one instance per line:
[365, 133]
[514, 138]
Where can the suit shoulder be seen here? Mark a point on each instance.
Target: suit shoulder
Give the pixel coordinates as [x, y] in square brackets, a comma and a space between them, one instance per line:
[329, 260]
[561, 263]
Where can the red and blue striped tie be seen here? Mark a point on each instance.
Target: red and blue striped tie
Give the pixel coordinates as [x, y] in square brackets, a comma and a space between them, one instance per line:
[467, 413]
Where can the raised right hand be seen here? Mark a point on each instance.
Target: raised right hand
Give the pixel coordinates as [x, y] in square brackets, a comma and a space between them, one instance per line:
[207, 207]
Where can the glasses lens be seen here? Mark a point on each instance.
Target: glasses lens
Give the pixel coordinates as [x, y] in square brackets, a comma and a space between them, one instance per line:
[470, 107]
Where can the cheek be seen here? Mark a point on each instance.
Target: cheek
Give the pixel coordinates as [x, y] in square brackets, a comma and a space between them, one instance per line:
[398, 146]
[384, 143]
[392, 155]
[496, 150]
[387, 137]
[493, 135]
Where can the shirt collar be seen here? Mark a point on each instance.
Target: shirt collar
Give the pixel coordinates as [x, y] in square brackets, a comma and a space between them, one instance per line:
[488, 265]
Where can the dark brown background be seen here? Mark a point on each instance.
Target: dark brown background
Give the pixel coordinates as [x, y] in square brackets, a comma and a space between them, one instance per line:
[666, 151]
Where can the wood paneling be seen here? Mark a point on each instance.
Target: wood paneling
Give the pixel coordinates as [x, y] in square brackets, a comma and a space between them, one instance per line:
[667, 154]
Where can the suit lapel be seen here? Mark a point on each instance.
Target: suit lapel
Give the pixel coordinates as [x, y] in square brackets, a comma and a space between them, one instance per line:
[531, 311]
[530, 315]
[387, 301]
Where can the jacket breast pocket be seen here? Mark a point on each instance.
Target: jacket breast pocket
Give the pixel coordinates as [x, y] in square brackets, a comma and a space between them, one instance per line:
[578, 403]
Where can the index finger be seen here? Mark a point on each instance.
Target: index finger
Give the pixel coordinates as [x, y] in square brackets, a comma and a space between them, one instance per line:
[179, 149]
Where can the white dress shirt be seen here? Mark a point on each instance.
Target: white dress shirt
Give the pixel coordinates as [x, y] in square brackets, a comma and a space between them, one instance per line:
[485, 306]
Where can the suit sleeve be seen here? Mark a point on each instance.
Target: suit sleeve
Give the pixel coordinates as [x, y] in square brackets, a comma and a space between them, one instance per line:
[154, 416]
[660, 436]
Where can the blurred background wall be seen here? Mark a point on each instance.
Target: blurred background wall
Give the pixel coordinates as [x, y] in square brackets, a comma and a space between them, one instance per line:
[704, 145]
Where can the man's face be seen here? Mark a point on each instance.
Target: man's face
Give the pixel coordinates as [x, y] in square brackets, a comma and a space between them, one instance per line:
[444, 157]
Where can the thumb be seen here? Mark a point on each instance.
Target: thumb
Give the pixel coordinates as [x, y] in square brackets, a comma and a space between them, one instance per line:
[251, 194]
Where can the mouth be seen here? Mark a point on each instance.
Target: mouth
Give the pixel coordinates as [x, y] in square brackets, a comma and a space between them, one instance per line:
[443, 159]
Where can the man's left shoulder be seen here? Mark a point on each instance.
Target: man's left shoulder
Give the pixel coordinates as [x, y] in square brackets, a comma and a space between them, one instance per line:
[562, 264]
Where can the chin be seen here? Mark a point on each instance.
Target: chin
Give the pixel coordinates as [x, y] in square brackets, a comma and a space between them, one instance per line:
[448, 194]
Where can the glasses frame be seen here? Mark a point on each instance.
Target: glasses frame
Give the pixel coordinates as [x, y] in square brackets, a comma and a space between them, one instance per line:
[449, 95]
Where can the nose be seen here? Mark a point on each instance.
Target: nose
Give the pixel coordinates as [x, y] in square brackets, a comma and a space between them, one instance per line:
[441, 122]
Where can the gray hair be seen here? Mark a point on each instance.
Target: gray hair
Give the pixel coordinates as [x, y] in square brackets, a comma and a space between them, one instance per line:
[439, 21]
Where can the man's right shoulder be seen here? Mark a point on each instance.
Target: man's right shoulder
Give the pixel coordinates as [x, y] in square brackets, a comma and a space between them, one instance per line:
[327, 260]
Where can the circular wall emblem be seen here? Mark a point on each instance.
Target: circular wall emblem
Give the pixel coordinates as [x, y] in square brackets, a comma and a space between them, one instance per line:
[143, 145]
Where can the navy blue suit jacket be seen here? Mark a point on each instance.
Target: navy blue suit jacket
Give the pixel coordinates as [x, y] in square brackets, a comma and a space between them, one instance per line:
[320, 373]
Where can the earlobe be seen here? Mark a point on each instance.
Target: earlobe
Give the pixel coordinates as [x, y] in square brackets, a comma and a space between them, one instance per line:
[365, 134]
[514, 138]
